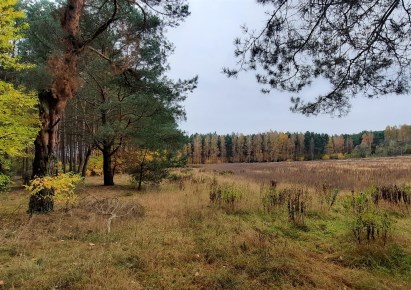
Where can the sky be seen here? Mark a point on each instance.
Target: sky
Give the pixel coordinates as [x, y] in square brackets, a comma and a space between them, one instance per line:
[204, 45]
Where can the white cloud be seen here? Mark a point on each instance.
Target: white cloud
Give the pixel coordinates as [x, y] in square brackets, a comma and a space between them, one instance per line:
[204, 44]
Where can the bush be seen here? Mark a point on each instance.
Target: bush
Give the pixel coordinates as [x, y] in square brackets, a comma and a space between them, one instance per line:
[153, 167]
[329, 196]
[62, 186]
[326, 157]
[151, 172]
[272, 198]
[295, 200]
[95, 166]
[225, 194]
[5, 182]
[368, 223]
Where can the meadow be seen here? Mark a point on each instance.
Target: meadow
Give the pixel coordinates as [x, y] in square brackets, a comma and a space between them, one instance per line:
[298, 225]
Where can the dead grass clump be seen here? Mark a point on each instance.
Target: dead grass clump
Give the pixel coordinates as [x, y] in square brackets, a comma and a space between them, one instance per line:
[297, 201]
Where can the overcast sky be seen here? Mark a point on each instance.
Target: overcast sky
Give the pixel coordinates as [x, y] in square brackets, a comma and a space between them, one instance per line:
[204, 45]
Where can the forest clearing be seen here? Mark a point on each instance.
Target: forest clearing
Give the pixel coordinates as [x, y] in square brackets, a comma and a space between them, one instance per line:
[102, 186]
[218, 227]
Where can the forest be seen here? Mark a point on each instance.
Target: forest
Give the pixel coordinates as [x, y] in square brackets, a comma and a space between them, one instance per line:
[277, 146]
[100, 188]
[95, 74]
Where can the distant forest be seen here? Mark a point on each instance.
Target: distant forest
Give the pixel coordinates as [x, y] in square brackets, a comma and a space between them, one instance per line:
[277, 146]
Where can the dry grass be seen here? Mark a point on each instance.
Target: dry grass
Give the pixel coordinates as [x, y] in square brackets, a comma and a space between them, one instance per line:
[350, 174]
[184, 242]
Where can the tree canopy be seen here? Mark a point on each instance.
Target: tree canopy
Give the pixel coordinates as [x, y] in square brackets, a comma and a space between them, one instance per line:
[360, 47]
[118, 59]
[18, 118]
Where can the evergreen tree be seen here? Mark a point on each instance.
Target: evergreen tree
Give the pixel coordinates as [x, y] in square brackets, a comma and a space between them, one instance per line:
[80, 33]
[360, 47]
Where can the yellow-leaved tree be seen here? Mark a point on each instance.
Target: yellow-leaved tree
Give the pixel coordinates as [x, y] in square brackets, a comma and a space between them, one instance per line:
[19, 121]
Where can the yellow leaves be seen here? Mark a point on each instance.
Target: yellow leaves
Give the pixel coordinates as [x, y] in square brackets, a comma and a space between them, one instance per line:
[18, 120]
[138, 156]
[95, 166]
[9, 33]
[62, 185]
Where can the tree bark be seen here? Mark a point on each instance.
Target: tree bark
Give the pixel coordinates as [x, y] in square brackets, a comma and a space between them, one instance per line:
[70, 147]
[140, 180]
[52, 103]
[85, 163]
[107, 170]
[41, 202]
[141, 175]
[63, 147]
[45, 146]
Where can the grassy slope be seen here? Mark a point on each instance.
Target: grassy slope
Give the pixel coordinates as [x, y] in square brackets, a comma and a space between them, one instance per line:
[183, 242]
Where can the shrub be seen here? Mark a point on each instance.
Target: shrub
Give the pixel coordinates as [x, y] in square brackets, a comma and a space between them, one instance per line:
[151, 167]
[340, 156]
[296, 205]
[272, 198]
[326, 157]
[227, 194]
[95, 166]
[151, 172]
[368, 223]
[5, 182]
[62, 186]
[329, 196]
[295, 200]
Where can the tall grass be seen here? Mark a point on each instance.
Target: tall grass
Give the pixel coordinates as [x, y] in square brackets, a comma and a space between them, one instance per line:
[343, 174]
[185, 240]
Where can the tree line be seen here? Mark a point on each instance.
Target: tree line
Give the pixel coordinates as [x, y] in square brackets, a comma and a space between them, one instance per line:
[278, 146]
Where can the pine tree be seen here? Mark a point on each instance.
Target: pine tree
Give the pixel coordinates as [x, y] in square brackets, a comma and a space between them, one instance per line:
[360, 47]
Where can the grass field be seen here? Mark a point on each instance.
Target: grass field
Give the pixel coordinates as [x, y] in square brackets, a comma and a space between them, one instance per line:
[245, 237]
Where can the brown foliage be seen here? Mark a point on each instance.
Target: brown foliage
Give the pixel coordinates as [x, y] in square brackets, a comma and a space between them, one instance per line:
[70, 19]
[65, 82]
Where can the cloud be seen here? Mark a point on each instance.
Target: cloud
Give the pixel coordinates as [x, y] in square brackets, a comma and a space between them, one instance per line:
[204, 44]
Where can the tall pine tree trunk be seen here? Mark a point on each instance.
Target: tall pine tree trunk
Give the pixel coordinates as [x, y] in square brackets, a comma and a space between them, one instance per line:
[85, 163]
[63, 147]
[107, 166]
[140, 178]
